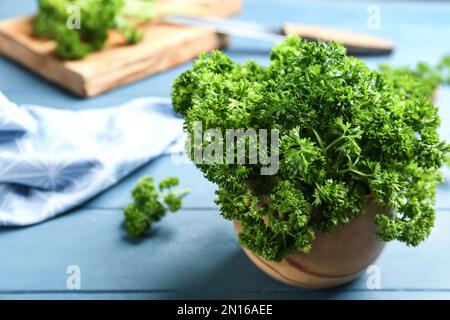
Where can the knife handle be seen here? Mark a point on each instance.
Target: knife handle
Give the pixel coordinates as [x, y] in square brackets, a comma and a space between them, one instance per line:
[356, 43]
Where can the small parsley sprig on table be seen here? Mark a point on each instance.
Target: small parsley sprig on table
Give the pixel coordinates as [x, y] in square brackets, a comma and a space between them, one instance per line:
[422, 80]
[346, 132]
[150, 204]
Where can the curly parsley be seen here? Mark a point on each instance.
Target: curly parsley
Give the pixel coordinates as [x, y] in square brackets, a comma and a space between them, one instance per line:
[346, 132]
[149, 204]
[96, 19]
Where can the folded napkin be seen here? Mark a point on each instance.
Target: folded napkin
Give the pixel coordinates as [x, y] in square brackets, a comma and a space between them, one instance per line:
[53, 160]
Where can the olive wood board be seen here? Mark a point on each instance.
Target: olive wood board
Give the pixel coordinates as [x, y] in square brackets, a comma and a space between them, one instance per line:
[164, 46]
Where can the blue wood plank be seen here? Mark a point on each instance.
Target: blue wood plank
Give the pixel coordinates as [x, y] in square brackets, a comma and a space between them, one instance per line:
[310, 295]
[188, 254]
[201, 191]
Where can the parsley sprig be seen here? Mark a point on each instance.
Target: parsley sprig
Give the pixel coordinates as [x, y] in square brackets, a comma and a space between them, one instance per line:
[150, 204]
[97, 18]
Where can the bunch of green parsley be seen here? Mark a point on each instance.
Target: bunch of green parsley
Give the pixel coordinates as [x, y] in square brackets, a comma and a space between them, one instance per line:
[346, 132]
[96, 18]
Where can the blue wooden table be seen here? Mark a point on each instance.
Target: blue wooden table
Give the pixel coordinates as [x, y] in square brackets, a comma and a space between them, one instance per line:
[194, 253]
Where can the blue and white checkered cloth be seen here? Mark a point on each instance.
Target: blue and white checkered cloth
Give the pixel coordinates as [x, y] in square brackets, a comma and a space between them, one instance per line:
[53, 160]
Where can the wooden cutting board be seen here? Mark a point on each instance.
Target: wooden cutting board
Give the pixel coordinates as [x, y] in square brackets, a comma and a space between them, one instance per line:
[163, 47]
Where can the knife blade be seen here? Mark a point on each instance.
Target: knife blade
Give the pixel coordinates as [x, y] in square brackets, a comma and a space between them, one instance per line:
[356, 43]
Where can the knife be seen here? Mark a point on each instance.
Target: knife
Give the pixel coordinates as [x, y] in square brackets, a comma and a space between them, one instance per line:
[356, 43]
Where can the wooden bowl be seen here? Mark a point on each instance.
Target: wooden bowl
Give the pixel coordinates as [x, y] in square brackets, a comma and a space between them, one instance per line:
[334, 259]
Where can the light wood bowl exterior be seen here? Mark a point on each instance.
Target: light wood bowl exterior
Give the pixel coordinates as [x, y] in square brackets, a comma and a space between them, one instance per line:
[334, 259]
